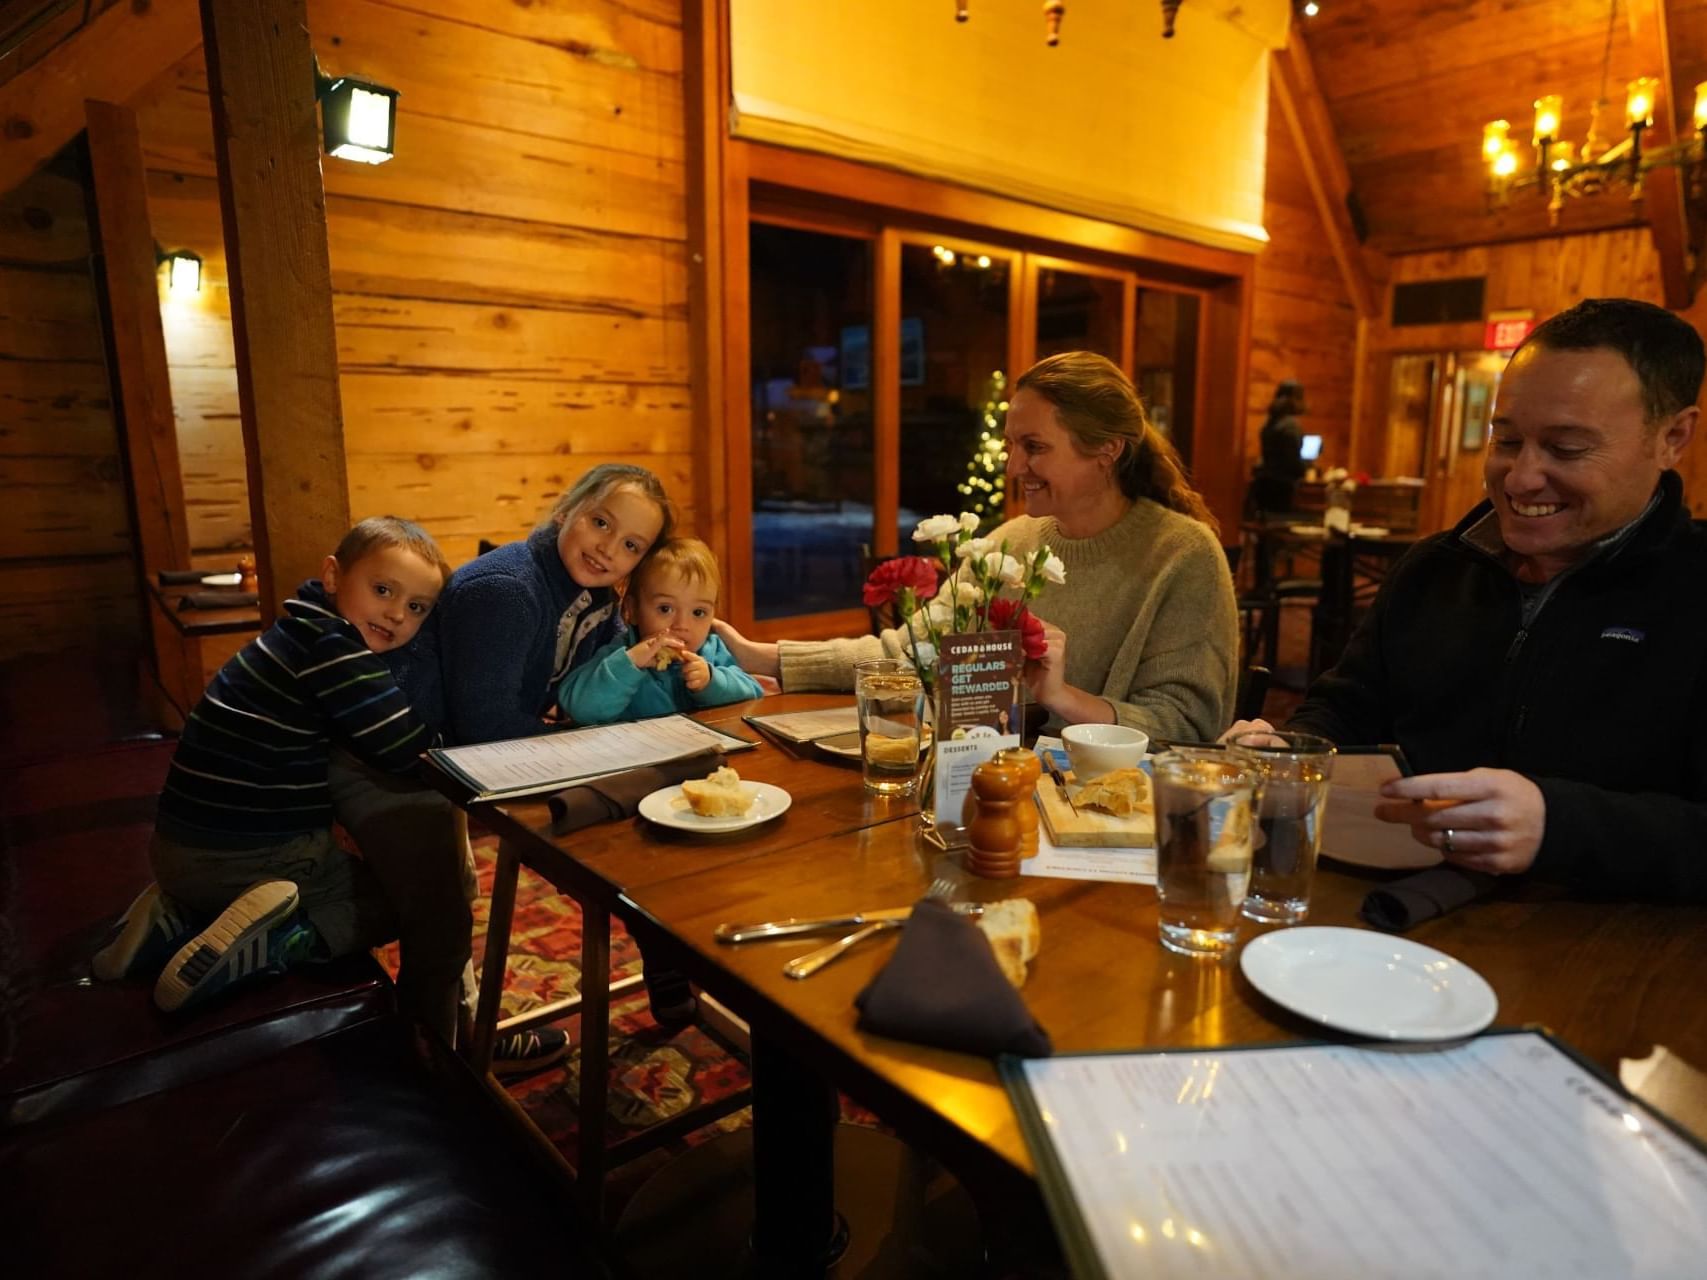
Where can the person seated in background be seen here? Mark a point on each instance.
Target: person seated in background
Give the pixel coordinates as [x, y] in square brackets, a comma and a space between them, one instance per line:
[1544, 663]
[1274, 484]
[1147, 598]
[666, 659]
[243, 840]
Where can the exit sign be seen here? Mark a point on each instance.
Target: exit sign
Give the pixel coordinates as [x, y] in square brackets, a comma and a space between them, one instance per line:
[1507, 329]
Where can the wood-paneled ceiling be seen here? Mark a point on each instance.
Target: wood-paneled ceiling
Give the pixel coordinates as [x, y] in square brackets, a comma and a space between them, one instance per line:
[29, 28]
[1410, 83]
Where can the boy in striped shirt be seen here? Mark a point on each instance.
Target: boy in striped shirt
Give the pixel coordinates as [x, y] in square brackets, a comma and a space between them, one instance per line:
[244, 830]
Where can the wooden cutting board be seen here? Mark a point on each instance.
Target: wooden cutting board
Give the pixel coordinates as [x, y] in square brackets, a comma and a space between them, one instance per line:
[1091, 828]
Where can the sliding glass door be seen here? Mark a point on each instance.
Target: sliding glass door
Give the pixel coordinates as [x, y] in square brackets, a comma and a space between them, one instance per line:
[881, 359]
[812, 454]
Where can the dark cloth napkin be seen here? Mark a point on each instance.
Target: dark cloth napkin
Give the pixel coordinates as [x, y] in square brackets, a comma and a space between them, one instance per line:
[215, 599]
[1404, 904]
[942, 987]
[619, 795]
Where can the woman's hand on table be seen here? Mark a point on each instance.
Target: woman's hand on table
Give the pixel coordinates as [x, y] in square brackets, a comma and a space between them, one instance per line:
[752, 656]
[1486, 819]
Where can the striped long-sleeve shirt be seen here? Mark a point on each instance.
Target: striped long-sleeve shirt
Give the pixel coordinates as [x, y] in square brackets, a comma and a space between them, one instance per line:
[251, 767]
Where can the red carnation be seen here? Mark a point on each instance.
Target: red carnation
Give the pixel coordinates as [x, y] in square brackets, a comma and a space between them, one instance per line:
[1011, 615]
[914, 573]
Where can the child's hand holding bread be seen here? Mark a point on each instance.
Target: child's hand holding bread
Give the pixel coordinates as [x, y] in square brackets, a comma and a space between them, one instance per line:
[655, 653]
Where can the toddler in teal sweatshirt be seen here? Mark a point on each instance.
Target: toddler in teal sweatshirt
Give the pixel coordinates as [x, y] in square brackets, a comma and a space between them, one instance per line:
[666, 659]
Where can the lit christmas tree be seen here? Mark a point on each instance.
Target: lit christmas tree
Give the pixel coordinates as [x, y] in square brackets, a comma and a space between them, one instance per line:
[985, 486]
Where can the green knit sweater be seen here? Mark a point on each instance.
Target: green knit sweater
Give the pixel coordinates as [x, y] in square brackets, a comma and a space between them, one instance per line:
[1149, 613]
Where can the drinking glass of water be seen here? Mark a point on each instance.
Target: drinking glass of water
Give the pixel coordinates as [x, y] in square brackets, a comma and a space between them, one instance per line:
[891, 701]
[1204, 801]
[1295, 769]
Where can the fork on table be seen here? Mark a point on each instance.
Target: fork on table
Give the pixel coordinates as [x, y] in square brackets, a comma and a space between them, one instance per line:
[942, 889]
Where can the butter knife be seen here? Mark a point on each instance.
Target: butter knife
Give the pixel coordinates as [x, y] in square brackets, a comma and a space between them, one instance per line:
[1060, 783]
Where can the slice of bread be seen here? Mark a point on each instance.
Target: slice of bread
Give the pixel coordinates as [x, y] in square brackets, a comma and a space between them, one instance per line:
[664, 659]
[1123, 792]
[891, 749]
[721, 795]
[1015, 935]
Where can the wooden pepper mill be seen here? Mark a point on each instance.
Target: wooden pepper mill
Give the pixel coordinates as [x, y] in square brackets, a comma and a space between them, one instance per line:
[993, 827]
[1025, 810]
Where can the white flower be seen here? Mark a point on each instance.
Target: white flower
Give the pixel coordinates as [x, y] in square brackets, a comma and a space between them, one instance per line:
[940, 614]
[975, 549]
[1050, 567]
[924, 655]
[936, 528]
[967, 592]
[996, 565]
[968, 522]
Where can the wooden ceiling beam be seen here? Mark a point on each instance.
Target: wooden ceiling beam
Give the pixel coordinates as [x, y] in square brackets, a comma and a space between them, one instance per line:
[113, 58]
[1325, 169]
[1662, 188]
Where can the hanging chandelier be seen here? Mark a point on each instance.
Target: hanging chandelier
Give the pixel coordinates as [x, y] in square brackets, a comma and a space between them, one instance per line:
[1055, 10]
[1561, 170]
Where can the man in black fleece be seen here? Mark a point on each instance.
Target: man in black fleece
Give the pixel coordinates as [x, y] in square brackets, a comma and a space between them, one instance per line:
[1544, 663]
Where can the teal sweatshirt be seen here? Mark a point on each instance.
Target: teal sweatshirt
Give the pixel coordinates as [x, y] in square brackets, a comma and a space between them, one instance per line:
[608, 687]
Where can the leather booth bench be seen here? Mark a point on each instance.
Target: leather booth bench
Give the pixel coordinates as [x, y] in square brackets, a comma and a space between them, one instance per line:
[298, 1128]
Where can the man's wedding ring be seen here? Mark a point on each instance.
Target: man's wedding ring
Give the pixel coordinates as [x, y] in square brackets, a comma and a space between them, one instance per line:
[1446, 841]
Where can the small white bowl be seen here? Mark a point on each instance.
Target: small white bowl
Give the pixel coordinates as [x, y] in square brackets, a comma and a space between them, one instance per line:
[1096, 749]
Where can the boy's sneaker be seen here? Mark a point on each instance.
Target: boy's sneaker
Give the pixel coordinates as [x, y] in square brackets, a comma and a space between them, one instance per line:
[520, 1052]
[259, 933]
[150, 932]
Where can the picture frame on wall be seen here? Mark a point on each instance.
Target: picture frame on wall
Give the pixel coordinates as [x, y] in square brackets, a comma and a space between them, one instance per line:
[1475, 406]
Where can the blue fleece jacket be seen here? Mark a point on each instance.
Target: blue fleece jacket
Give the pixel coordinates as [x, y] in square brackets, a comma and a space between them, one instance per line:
[507, 627]
[608, 687]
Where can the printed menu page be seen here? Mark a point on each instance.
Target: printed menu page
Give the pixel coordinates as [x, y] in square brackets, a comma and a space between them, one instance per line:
[527, 766]
[1496, 1159]
[809, 726]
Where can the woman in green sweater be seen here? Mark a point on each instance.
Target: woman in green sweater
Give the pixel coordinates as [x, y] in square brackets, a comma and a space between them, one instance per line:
[1144, 631]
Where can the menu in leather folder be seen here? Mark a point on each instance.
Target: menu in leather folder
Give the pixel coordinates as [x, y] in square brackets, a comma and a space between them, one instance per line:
[1505, 1155]
[552, 761]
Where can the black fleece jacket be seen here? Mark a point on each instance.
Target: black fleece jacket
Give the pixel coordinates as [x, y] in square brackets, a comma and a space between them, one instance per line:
[1602, 701]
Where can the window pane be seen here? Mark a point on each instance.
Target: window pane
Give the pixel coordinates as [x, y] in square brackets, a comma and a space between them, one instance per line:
[1166, 356]
[954, 354]
[1078, 313]
[812, 447]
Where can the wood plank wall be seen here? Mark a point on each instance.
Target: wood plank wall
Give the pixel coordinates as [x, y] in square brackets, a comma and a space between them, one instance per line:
[67, 572]
[510, 291]
[1304, 325]
[1546, 276]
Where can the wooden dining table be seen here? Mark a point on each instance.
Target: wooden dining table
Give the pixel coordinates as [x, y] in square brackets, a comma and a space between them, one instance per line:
[1614, 980]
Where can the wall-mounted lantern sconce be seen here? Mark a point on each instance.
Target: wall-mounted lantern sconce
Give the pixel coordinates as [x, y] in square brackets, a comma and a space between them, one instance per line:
[358, 117]
[183, 271]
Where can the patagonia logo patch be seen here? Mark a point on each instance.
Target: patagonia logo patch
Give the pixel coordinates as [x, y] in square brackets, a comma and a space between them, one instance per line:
[1629, 634]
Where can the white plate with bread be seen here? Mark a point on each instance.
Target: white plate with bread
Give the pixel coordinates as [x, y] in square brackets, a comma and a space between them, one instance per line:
[720, 802]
